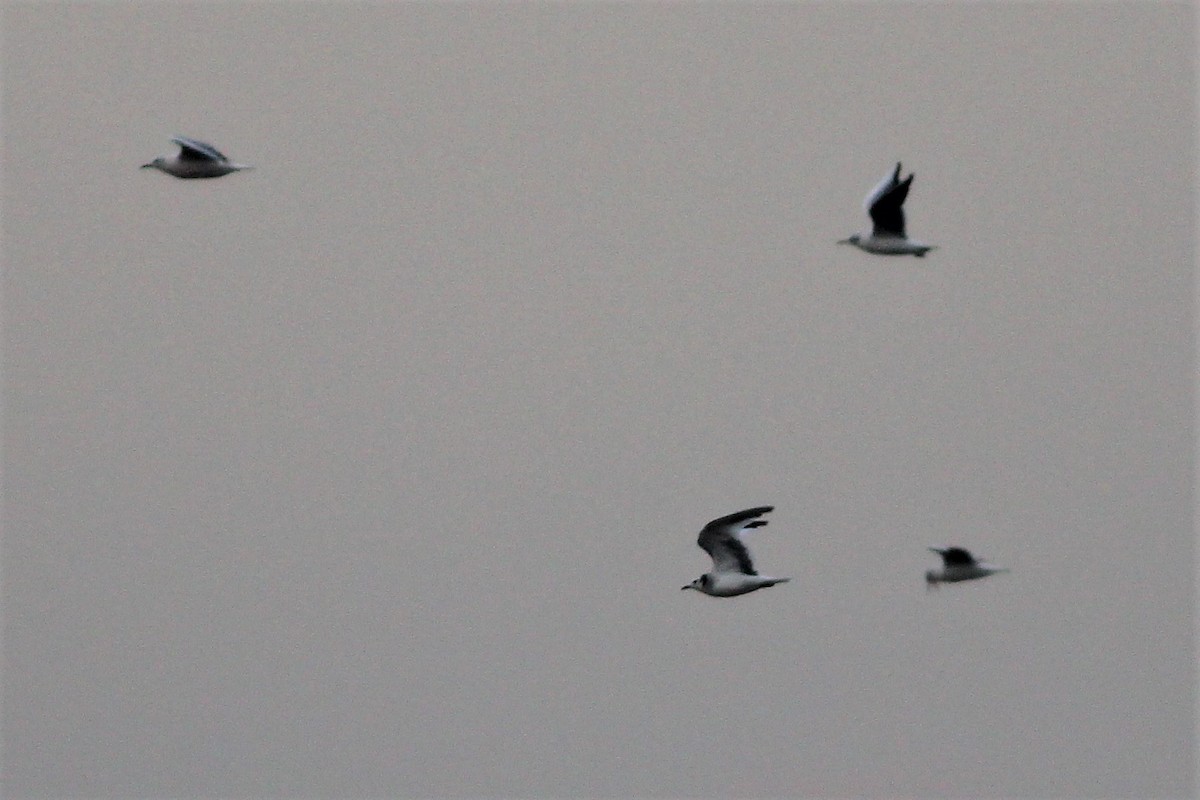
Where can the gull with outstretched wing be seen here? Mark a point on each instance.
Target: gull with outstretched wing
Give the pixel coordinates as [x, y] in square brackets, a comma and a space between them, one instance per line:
[195, 159]
[885, 204]
[733, 570]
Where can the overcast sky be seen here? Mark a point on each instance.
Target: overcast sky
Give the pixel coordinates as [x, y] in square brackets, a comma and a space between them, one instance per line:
[376, 471]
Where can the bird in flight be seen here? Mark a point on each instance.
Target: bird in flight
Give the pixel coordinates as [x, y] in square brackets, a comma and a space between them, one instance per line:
[959, 565]
[733, 572]
[885, 204]
[195, 159]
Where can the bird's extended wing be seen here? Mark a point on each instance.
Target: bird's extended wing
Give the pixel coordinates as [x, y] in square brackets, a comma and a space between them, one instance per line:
[193, 150]
[885, 204]
[721, 539]
[954, 556]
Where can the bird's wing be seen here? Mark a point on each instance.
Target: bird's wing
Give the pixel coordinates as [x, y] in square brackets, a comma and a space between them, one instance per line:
[885, 204]
[721, 539]
[954, 556]
[192, 150]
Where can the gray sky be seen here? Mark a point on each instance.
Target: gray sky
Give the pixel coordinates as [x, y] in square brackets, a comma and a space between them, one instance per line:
[376, 471]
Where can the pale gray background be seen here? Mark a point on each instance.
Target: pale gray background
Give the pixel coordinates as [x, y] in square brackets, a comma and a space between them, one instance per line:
[376, 471]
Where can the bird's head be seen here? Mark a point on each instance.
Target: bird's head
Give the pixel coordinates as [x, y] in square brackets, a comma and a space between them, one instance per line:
[700, 584]
[855, 239]
[155, 164]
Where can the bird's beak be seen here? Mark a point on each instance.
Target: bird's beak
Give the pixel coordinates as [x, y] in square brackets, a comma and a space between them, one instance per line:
[146, 166]
[843, 241]
[682, 588]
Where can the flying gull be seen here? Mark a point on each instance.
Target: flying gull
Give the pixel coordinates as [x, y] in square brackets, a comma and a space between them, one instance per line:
[195, 160]
[959, 565]
[885, 204]
[733, 571]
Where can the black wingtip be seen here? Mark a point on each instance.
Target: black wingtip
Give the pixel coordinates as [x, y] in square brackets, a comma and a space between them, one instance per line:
[739, 517]
[754, 512]
[956, 556]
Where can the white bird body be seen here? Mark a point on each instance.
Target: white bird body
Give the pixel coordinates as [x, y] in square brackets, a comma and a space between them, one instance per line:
[959, 565]
[729, 584]
[195, 159]
[885, 205]
[733, 572]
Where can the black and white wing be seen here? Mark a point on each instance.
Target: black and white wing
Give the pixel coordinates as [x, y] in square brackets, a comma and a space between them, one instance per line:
[885, 204]
[721, 539]
[955, 556]
[194, 150]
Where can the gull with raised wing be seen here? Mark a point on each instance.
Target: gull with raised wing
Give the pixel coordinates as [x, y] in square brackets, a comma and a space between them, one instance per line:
[885, 204]
[195, 159]
[733, 572]
[959, 565]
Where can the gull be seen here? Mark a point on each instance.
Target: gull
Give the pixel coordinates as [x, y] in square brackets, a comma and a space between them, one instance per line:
[959, 565]
[885, 204]
[733, 571]
[195, 159]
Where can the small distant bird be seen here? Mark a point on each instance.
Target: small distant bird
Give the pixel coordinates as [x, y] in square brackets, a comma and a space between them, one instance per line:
[959, 565]
[195, 160]
[733, 571]
[885, 204]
